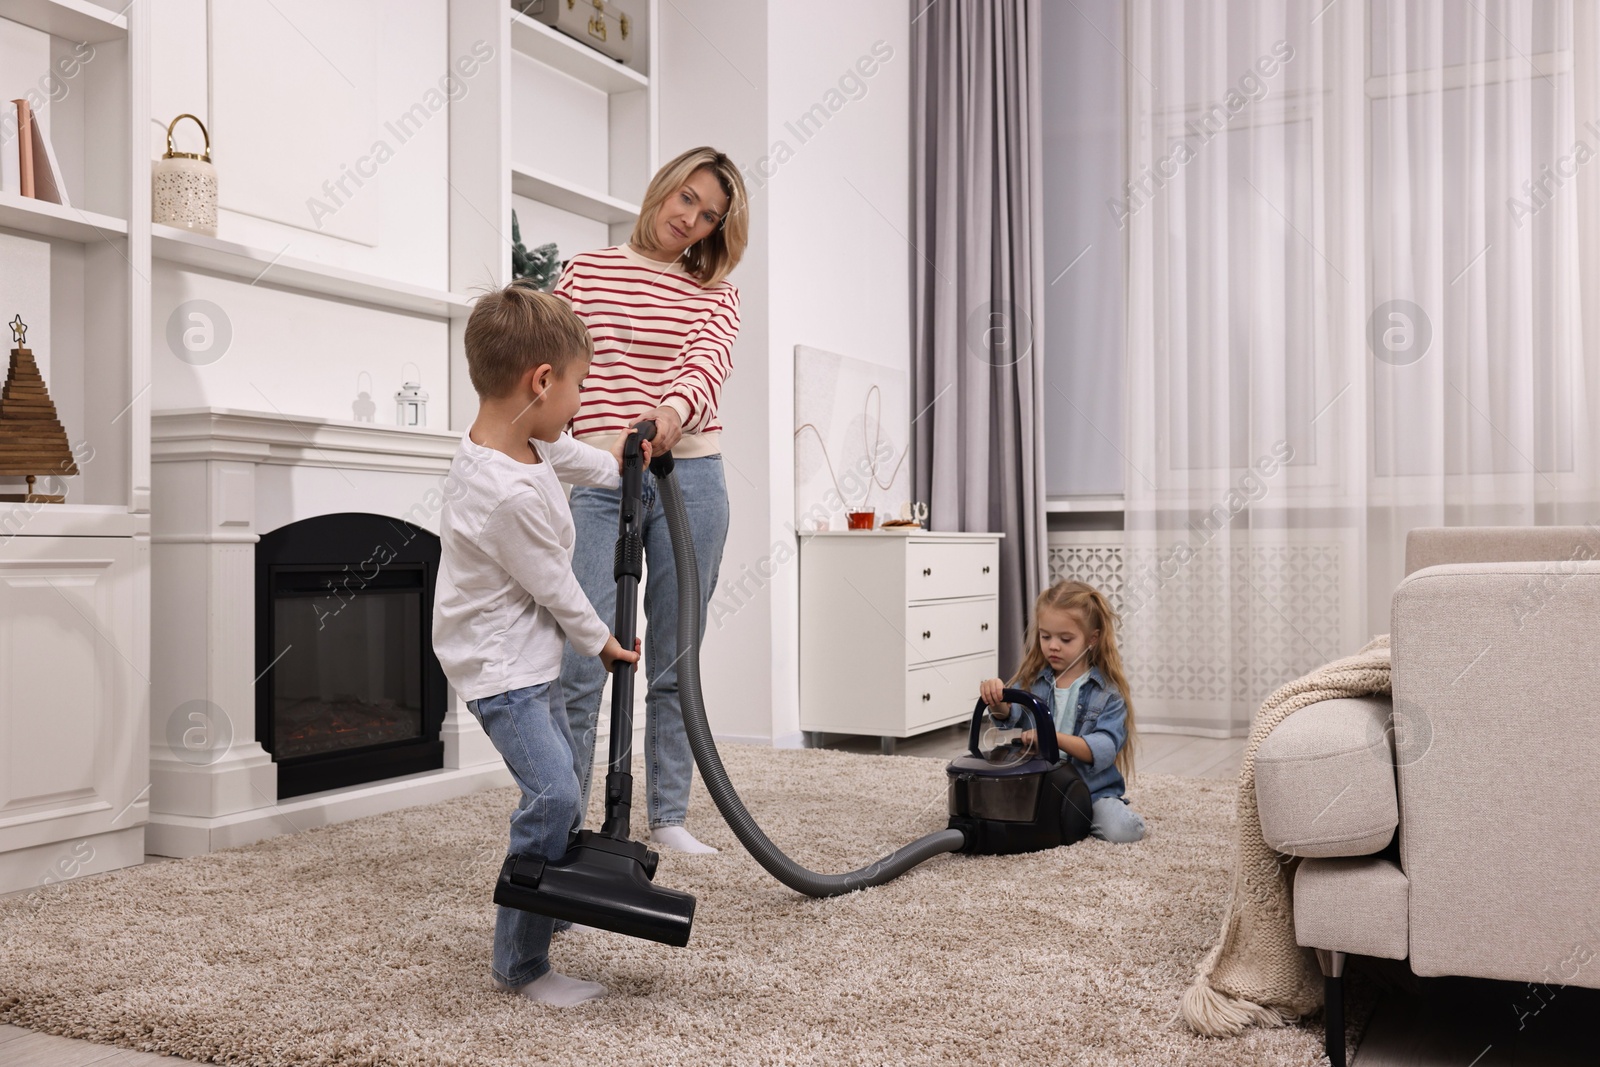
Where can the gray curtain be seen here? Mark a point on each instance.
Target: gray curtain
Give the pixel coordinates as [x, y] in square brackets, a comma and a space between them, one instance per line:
[977, 290]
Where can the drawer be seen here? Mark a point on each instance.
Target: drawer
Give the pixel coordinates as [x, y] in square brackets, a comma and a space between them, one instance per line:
[944, 691]
[937, 571]
[951, 629]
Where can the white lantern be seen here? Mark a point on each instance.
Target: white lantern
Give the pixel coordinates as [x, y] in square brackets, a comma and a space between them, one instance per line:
[411, 403]
[184, 186]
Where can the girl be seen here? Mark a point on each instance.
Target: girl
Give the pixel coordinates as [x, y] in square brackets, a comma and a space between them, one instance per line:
[1072, 663]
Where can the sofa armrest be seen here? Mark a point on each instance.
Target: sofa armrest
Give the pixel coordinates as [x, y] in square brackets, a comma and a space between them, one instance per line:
[1325, 780]
[1496, 674]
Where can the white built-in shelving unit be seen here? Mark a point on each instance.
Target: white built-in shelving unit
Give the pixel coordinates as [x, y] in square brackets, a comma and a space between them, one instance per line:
[552, 128]
[75, 577]
[575, 132]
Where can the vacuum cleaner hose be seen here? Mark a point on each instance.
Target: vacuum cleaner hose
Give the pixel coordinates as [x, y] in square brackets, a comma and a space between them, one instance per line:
[721, 789]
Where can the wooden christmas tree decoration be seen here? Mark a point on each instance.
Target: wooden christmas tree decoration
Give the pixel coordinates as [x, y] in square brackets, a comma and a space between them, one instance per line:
[32, 439]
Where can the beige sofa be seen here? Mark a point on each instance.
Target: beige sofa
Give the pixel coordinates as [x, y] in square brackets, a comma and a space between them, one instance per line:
[1457, 825]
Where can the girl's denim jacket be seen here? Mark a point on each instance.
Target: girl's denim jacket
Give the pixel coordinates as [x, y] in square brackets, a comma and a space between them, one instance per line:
[1101, 719]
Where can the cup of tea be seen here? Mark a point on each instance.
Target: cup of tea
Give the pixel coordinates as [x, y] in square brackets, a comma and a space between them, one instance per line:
[860, 520]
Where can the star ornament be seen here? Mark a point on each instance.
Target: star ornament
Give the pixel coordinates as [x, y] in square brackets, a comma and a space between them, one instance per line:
[19, 331]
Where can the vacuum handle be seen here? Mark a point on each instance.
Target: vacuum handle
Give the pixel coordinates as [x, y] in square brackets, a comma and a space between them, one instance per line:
[645, 430]
[1044, 724]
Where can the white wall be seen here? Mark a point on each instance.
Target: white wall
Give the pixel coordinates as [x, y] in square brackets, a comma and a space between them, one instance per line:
[840, 262]
[713, 91]
[825, 267]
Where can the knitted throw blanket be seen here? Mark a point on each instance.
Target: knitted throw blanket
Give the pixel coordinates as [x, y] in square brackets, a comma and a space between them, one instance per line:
[1256, 974]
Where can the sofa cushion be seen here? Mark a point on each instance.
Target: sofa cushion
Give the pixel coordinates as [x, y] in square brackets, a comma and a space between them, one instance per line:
[1434, 546]
[1353, 905]
[1325, 780]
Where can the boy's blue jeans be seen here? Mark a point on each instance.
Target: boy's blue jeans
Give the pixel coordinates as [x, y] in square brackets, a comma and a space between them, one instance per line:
[669, 764]
[529, 727]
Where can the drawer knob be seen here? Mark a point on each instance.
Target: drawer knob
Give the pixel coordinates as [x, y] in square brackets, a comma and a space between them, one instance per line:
[927, 572]
[927, 634]
[984, 627]
[926, 697]
[986, 570]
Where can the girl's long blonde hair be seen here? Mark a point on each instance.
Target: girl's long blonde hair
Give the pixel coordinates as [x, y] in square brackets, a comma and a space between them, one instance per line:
[713, 257]
[1093, 612]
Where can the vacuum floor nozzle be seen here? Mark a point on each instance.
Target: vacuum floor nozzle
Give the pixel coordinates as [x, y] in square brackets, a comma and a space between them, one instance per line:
[600, 882]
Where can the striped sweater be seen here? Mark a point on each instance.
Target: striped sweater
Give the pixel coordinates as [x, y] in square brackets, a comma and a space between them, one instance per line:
[659, 339]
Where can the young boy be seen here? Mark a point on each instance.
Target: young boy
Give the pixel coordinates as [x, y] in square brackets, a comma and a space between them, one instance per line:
[507, 600]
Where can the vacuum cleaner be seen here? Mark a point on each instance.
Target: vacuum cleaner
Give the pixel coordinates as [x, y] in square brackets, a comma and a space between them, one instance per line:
[1005, 796]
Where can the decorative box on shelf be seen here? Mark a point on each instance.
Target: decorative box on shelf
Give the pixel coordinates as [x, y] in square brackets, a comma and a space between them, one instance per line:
[897, 628]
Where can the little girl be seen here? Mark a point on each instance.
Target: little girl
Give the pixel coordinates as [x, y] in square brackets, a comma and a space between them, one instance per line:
[1072, 664]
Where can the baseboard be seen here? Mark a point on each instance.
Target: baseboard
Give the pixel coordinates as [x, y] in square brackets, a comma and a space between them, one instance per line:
[746, 739]
[1190, 731]
[189, 835]
[35, 870]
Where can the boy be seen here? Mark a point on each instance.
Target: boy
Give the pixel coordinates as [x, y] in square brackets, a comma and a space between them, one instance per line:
[507, 600]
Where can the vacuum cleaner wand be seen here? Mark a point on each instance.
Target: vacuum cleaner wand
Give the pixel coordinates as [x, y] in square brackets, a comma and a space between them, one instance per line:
[626, 571]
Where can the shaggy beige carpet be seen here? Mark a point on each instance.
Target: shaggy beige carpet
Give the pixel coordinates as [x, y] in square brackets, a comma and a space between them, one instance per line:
[367, 943]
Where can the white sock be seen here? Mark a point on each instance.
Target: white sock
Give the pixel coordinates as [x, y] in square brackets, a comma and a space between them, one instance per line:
[557, 990]
[679, 840]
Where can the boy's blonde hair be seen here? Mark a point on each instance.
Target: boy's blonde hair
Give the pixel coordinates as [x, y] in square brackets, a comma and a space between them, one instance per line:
[713, 257]
[1094, 614]
[513, 330]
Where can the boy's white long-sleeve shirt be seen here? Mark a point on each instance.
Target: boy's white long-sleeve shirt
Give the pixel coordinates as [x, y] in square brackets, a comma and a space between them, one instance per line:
[507, 601]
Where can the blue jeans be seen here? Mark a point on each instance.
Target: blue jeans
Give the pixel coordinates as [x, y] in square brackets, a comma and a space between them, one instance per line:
[1114, 821]
[529, 727]
[669, 764]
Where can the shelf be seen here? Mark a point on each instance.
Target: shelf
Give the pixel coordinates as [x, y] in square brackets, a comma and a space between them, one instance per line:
[187, 249]
[67, 520]
[75, 20]
[44, 219]
[548, 189]
[538, 41]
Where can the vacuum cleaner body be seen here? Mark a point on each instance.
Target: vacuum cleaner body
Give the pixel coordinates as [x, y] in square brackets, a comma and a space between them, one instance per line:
[1014, 797]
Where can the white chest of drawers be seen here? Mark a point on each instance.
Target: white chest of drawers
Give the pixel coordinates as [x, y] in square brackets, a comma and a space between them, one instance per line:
[896, 629]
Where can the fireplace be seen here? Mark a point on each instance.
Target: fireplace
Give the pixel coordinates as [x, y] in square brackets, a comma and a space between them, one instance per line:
[349, 688]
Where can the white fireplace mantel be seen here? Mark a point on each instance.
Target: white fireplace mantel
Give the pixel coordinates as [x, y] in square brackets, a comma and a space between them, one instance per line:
[221, 478]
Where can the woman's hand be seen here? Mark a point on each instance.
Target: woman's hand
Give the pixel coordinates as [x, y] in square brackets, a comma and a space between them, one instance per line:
[669, 427]
[622, 439]
[991, 689]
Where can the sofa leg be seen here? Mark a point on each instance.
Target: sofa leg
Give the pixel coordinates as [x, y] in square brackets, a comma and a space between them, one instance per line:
[1332, 963]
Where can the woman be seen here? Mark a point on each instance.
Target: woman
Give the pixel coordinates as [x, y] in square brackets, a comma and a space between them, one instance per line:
[663, 321]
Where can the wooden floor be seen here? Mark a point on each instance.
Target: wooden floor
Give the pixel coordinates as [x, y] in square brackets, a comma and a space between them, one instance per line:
[1446, 1022]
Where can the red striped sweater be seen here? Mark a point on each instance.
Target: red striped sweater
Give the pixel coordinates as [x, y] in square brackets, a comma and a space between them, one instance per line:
[659, 339]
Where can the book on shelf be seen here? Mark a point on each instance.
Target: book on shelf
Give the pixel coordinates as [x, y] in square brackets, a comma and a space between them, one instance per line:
[38, 173]
[10, 167]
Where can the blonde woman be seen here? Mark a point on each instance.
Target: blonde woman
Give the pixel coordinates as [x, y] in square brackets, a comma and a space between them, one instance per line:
[663, 319]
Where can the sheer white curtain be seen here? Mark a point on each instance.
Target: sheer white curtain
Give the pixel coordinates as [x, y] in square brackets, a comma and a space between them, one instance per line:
[1359, 236]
